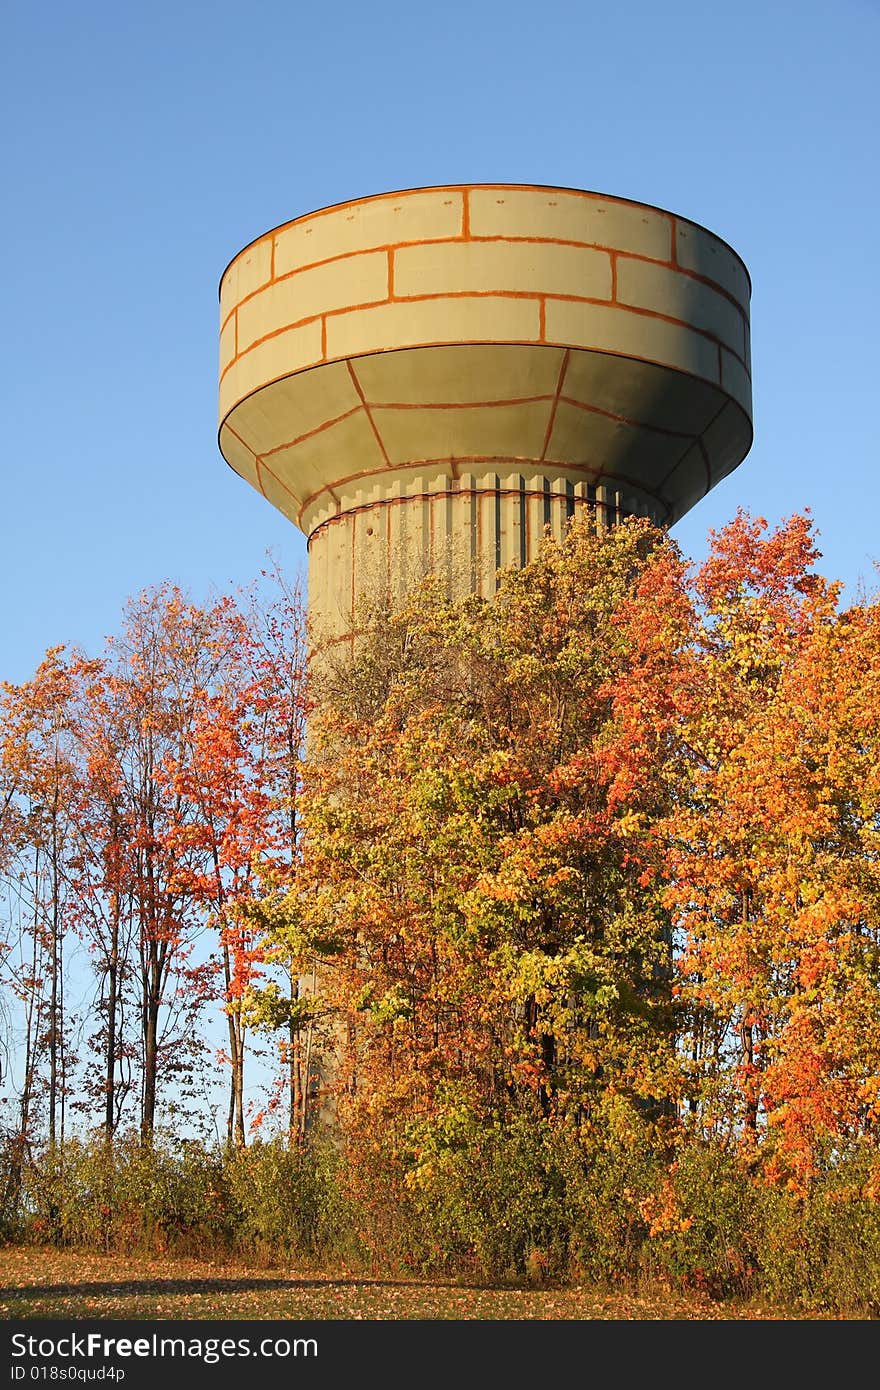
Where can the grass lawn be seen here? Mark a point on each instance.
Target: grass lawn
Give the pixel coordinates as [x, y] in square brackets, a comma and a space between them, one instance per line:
[40, 1283]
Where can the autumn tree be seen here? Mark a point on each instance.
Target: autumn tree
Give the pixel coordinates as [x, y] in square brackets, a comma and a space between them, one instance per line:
[38, 772]
[771, 849]
[596, 857]
[277, 648]
[149, 804]
[169, 653]
[479, 858]
[234, 783]
[104, 894]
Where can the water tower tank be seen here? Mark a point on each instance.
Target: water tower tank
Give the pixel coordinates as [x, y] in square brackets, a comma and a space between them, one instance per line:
[429, 378]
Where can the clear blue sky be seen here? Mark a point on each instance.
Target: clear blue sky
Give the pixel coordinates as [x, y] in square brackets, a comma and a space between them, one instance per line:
[144, 145]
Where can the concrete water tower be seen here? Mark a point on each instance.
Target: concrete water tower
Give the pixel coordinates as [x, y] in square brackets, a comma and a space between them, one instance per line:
[429, 378]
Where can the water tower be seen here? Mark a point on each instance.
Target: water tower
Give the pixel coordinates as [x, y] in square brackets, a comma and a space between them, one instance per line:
[429, 378]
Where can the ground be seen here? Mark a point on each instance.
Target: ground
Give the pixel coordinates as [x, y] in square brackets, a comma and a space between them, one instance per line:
[41, 1283]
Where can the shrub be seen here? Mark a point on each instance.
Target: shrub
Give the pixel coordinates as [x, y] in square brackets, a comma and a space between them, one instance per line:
[286, 1200]
[128, 1198]
[504, 1198]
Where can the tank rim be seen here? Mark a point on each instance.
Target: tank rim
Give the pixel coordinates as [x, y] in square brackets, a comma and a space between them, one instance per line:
[452, 187]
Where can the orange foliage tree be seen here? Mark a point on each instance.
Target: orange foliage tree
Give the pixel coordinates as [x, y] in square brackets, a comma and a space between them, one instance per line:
[147, 798]
[38, 778]
[234, 780]
[771, 859]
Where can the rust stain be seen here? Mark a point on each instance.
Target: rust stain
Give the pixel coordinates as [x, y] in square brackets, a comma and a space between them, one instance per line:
[555, 406]
[458, 405]
[624, 419]
[310, 434]
[493, 294]
[390, 247]
[357, 387]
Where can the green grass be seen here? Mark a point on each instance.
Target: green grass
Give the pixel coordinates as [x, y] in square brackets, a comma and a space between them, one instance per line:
[41, 1282]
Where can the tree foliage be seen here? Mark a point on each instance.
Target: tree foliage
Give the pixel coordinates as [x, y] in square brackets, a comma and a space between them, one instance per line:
[144, 792]
[572, 904]
[602, 850]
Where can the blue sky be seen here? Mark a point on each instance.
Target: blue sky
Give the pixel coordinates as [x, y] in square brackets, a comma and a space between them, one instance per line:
[145, 145]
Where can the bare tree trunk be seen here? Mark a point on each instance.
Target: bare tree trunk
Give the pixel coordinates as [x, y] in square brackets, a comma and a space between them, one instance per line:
[152, 998]
[112, 1004]
[32, 1031]
[294, 1066]
[307, 1066]
[239, 1084]
[54, 981]
[235, 1133]
[747, 1040]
